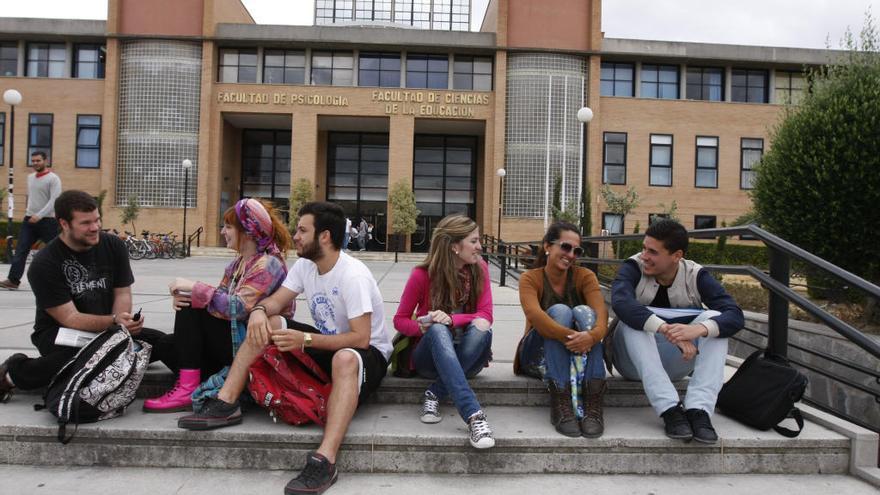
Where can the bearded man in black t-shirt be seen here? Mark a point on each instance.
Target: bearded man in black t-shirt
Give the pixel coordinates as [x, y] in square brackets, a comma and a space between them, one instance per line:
[81, 280]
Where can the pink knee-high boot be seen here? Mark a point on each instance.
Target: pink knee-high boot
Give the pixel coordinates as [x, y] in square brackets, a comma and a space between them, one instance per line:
[178, 398]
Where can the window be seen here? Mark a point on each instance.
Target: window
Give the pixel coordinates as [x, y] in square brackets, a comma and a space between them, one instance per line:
[659, 81]
[751, 152]
[40, 133]
[372, 10]
[704, 221]
[379, 69]
[472, 73]
[88, 141]
[790, 86]
[9, 59]
[614, 158]
[265, 164]
[427, 71]
[655, 217]
[617, 79]
[748, 85]
[332, 68]
[357, 172]
[284, 67]
[705, 83]
[661, 160]
[707, 162]
[416, 13]
[613, 223]
[2, 137]
[46, 59]
[238, 65]
[88, 61]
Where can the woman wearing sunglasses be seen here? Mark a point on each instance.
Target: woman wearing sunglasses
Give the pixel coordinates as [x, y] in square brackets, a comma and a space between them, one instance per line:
[566, 321]
[451, 296]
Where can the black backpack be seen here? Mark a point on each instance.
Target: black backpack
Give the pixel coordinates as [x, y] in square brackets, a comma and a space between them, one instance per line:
[762, 393]
[99, 382]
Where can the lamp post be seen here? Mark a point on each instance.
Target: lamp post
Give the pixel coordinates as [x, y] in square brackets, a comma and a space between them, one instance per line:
[500, 173]
[584, 116]
[12, 98]
[187, 164]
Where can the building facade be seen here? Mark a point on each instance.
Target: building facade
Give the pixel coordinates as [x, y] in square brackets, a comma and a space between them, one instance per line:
[384, 91]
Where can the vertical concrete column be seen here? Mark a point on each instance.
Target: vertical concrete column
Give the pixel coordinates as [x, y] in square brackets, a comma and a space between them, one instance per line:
[400, 155]
[771, 86]
[728, 83]
[304, 140]
[22, 59]
[637, 79]
[68, 65]
[260, 59]
[682, 84]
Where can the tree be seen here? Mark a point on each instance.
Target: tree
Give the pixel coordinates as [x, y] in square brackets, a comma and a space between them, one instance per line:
[100, 199]
[403, 208]
[570, 213]
[302, 193]
[620, 204]
[819, 184]
[670, 211]
[130, 212]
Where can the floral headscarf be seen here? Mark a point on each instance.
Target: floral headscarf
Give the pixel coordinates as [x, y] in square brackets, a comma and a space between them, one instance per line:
[257, 224]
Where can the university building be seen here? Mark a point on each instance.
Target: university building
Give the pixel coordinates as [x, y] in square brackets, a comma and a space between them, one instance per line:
[381, 91]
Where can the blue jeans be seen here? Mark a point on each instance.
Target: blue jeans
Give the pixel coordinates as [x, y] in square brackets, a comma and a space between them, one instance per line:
[45, 230]
[451, 356]
[550, 360]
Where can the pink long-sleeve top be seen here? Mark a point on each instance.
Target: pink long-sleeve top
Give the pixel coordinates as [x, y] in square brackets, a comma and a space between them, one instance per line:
[416, 298]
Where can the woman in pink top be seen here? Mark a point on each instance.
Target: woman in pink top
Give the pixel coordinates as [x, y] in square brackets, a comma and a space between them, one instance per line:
[451, 296]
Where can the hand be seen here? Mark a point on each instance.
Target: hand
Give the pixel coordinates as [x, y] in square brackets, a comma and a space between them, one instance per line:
[133, 327]
[180, 301]
[678, 332]
[287, 340]
[180, 284]
[688, 349]
[258, 331]
[440, 317]
[34, 219]
[579, 342]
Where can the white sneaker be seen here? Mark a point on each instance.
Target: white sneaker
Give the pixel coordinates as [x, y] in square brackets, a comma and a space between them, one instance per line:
[480, 431]
[430, 408]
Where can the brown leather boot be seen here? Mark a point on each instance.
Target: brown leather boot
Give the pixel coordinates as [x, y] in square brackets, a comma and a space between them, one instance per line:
[561, 413]
[592, 424]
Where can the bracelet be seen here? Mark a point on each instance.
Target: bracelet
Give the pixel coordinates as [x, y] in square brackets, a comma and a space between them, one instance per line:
[114, 319]
[260, 306]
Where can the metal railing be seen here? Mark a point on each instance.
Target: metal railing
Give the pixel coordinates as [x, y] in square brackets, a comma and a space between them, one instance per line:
[515, 257]
[197, 235]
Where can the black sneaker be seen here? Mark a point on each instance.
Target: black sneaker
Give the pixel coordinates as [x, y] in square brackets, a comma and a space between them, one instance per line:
[317, 476]
[214, 414]
[677, 425]
[702, 426]
[6, 388]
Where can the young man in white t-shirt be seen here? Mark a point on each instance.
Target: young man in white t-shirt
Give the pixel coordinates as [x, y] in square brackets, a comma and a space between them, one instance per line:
[351, 341]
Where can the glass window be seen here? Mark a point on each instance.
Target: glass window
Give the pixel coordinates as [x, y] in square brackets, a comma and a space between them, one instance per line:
[238, 65]
[707, 162]
[46, 59]
[751, 152]
[266, 165]
[9, 59]
[379, 69]
[284, 67]
[427, 71]
[748, 85]
[357, 172]
[704, 221]
[40, 133]
[88, 141]
[89, 61]
[705, 83]
[332, 68]
[473, 73]
[617, 79]
[790, 86]
[659, 81]
[613, 223]
[661, 160]
[2, 137]
[614, 158]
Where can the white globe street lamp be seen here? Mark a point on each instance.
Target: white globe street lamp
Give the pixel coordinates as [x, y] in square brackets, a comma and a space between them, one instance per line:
[12, 98]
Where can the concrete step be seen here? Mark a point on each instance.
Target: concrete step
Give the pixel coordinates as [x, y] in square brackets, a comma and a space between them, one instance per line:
[388, 438]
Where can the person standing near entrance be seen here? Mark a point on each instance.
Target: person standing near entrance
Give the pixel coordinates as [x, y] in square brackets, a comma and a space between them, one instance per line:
[347, 237]
[362, 234]
[44, 186]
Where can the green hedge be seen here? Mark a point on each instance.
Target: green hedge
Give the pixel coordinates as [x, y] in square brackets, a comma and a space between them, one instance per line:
[707, 253]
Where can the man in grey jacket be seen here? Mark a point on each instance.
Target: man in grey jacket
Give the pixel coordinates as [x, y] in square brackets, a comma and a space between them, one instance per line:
[44, 186]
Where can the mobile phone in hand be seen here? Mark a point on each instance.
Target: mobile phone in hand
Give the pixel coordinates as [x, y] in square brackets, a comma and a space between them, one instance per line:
[425, 320]
[137, 316]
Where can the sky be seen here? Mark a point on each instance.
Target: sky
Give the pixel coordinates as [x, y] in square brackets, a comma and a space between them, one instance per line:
[790, 23]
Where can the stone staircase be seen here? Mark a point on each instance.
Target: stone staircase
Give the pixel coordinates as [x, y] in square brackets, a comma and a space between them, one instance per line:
[387, 437]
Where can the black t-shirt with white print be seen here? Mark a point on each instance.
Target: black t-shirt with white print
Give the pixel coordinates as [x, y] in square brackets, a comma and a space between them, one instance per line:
[58, 275]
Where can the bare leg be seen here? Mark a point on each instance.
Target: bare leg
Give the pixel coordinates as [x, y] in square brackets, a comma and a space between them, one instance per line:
[342, 404]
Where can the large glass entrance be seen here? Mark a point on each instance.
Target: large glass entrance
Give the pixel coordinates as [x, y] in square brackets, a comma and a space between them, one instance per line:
[444, 181]
[265, 170]
[357, 179]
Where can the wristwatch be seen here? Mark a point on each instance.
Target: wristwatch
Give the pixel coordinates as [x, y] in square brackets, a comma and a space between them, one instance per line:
[114, 319]
[307, 340]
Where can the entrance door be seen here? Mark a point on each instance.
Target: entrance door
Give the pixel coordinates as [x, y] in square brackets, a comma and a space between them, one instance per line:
[357, 178]
[265, 165]
[444, 181]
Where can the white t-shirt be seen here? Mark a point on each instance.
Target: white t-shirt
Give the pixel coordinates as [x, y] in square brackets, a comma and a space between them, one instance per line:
[347, 291]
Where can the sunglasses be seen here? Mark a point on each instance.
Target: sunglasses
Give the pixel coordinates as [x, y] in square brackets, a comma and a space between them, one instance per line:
[568, 247]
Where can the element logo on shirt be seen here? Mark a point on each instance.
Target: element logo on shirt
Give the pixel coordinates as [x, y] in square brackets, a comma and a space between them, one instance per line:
[323, 314]
[77, 277]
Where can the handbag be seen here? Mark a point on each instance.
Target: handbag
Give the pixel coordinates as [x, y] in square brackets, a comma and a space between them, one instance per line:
[402, 365]
[762, 393]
